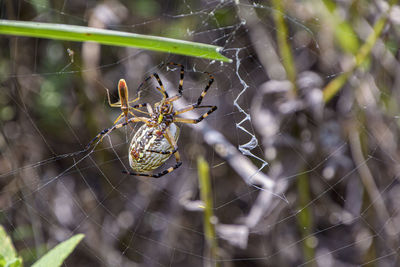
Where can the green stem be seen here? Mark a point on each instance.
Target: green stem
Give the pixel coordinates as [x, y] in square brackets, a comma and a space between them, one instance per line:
[282, 37]
[305, 219]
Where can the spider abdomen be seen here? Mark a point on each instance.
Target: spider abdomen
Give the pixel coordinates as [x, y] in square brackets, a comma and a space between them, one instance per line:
[147, 140]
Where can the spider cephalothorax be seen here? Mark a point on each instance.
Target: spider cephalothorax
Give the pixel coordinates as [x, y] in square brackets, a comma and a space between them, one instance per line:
[163, 113]
[156, 140]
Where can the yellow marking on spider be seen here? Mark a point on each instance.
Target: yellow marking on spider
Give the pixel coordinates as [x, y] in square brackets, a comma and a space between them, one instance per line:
[160, 118]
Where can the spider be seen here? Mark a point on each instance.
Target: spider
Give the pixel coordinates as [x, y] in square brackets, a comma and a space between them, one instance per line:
[123, 103]
[156, 140]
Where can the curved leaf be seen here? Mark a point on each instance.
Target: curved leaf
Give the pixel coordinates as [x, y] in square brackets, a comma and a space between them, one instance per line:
[56, 256]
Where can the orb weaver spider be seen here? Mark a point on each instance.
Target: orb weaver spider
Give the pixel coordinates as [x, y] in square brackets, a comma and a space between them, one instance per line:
[122, 103]
[156, 140]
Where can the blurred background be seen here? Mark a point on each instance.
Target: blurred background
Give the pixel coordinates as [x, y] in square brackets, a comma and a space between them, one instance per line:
[333, 161]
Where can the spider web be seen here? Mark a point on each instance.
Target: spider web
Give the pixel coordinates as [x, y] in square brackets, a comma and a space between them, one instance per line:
[333, 168]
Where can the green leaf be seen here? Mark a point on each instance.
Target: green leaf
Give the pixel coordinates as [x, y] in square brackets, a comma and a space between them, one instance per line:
[59, 253]
[8, 255]
[16, 262]
[3, 261]
[109, 37]
[6, 247]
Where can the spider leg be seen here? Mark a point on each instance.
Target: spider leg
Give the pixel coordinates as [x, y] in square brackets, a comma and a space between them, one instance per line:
[210, 81]
[130, 112]
[197, 105]
[136, 108]
[162, 152]
[202, 95]
[171, 140]
[182, 74]
[139, 106]
[160, 89]
[123, 101]
[157, 175]
[114, 105]
[119, 117]
[99, 137]
[199, 119]
[134, 100]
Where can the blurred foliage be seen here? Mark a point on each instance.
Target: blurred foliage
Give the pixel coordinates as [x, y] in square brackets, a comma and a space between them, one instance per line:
[332, 148]
[344, 33]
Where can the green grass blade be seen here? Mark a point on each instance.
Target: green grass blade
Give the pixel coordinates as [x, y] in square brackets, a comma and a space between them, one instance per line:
[208, 219]
[333, 87]
[56, 256]
[305, 218]
[109, 37]
[345, 36]
[282, 36]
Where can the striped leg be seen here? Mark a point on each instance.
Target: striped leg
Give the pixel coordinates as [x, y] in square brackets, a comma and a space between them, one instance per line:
[197, 105]
[99, 137]
[202, 95]
[162, 152]
[182, 74]
[161, 88]
[157, 175]
[210, 81]
[139, 105]
[199, 119]
[136, 108]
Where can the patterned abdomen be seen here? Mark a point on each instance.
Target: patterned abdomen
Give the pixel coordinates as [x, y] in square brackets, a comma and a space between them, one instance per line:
[150, 138]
